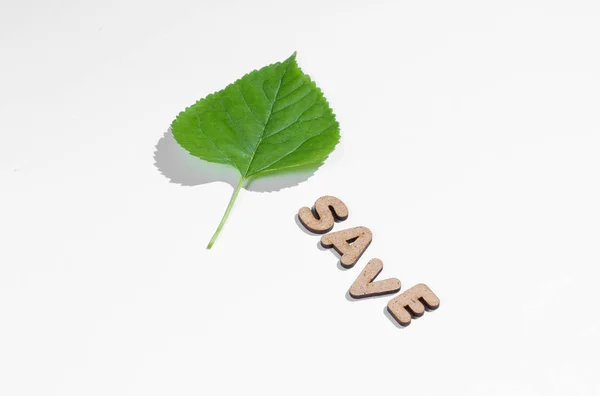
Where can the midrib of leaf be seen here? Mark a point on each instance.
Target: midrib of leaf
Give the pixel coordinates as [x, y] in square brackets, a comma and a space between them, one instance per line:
[262, 135]
[244, 177]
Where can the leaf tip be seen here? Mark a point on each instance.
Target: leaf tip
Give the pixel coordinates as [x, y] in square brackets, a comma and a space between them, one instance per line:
[292, 57]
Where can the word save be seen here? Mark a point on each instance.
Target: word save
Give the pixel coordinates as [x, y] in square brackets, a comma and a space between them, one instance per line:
[351, 244]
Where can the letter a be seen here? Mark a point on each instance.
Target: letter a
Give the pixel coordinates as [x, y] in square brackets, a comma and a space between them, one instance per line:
[350, 243]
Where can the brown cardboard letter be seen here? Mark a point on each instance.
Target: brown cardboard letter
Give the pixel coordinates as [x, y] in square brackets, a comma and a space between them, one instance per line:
[364, 286]
[320, 220]
[350, 243]
[412, 303]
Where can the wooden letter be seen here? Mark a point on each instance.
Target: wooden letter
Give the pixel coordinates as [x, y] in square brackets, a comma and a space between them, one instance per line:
[350, 243]
[364, 286]
[412, 303]
[320, 220]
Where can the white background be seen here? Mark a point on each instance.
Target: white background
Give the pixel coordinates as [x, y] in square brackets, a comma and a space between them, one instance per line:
[470, 141]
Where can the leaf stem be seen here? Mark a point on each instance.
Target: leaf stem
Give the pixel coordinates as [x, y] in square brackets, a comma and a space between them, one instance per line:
[226, 214]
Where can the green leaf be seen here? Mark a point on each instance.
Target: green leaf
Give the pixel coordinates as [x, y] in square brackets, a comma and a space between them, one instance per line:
[271, 120]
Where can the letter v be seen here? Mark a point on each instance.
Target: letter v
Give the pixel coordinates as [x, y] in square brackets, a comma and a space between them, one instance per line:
[364, 286]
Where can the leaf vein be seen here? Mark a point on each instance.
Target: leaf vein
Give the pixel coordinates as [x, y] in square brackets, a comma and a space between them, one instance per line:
[293, 90]
[296, 102]
[296, 148]
[248, 144]
[296, 121]
[225, 156]
[247, 106]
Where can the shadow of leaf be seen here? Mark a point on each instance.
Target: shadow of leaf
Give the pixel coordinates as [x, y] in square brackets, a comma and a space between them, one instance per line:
[180, 167]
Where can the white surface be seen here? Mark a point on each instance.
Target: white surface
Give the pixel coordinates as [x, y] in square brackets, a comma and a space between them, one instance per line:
[470, 148]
